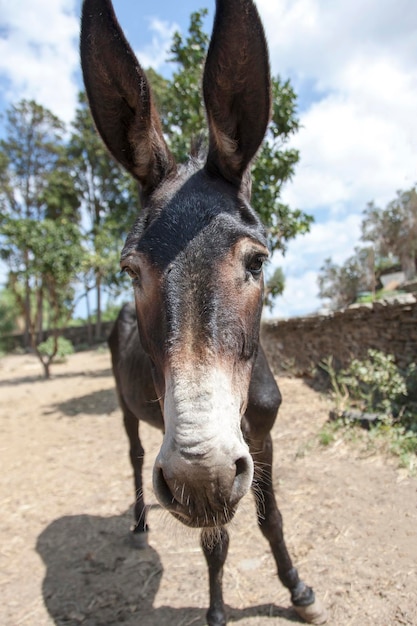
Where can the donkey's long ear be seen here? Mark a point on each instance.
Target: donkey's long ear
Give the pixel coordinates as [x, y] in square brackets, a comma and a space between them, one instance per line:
[120, 97]
[236, 86]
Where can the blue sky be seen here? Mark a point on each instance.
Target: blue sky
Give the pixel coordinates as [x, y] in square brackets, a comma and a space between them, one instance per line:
[353, 63]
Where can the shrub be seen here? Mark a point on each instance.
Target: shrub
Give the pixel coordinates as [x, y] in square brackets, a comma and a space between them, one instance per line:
[65, 348]
[377, 385]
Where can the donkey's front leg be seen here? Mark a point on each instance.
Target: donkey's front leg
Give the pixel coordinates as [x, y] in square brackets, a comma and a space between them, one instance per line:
[270, 523]
[215, 547]
[139, 535]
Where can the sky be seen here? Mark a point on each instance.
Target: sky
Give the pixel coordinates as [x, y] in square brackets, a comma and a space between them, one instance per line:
[353, 64]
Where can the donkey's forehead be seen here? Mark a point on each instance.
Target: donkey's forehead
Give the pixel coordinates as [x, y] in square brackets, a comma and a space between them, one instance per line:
[167, 240]
[197, 215]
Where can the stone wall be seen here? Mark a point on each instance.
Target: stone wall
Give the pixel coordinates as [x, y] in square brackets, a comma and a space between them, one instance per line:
[78, 335]
[299, 344]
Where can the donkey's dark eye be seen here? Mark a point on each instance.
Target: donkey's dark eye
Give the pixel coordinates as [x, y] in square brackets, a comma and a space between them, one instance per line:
[126, 269]
[254, 265]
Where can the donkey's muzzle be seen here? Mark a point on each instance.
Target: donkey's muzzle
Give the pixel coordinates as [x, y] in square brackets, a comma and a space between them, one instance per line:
[201, 495]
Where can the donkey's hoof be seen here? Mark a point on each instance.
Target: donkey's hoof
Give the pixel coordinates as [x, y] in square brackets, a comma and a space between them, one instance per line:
[313, 613]
[216, 617]
[139, 540]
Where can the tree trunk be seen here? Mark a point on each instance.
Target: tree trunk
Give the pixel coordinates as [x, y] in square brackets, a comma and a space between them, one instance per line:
[89, 324]
[46, 369]
[27, 338]
[408, 266]
[39, 317]
[98, 320]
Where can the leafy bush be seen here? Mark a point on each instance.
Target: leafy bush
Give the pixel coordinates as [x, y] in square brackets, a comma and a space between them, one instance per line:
[65, 348]
[374, 385]
[377, 385]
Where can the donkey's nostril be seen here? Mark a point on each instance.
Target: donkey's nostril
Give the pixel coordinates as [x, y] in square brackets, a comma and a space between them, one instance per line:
[243, 478]
[161, 488]
[241, 466]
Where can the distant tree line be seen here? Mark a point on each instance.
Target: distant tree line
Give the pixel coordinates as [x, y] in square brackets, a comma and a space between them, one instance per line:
[391, 237]
[67, 206]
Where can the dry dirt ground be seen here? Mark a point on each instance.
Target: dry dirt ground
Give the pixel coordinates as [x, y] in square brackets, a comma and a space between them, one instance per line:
[66, 494]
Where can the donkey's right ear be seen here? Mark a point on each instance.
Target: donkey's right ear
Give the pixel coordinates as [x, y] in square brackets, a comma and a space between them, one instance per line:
[120, 97]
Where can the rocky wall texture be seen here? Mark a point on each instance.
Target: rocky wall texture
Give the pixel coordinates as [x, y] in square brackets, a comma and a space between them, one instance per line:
[299, 344]
[80, 336]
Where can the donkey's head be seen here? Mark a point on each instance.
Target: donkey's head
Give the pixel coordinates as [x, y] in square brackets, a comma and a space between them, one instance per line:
[195, 254]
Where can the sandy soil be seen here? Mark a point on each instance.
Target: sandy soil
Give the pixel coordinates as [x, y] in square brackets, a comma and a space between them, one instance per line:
[66, 494]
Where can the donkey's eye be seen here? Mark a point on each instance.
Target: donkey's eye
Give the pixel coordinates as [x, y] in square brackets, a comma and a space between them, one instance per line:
[254, 265]
[126, 269]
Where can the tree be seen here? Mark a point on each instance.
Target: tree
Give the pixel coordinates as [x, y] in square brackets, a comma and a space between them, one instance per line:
[274, 287]
[393, 234]
[30, 152]
[39, 237]
[341, 284]
[111, 202]
[54, 251]
[181, 103]
[393, 230]
[9, 314]
[183, 118]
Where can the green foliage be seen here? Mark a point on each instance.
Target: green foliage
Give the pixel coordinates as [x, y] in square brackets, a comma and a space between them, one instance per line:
[40, 238]
[377, 385]
[182, 111]
[31, 151]
[342, 285]
[53, 252]
[111, 201]
[381, 294]
[64, 349]
[274, 287]
[8, 316]
[327, 434]
[111, 312]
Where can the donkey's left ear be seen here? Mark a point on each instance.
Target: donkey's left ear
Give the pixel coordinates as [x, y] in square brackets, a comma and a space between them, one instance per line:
[237, 89]
[120, 97]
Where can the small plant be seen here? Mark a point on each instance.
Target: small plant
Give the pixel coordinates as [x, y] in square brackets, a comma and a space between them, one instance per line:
[326, 436]
[65, 348]
[404, 445]
[339, 391]
[375, 385]
[378, 387]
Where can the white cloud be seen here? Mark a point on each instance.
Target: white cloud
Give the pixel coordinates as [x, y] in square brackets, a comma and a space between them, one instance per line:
[39, 53]
[298, 291]
[315, 38]
[353, 153]
[156, 53]
[358, 140]
[334, 238]
[305, 257]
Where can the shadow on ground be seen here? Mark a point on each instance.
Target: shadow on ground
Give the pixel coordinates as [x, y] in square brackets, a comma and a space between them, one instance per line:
[95, 403]
[11, 379]
[94, 577]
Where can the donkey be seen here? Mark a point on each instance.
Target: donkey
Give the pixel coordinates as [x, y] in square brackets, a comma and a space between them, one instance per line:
[195, 255]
